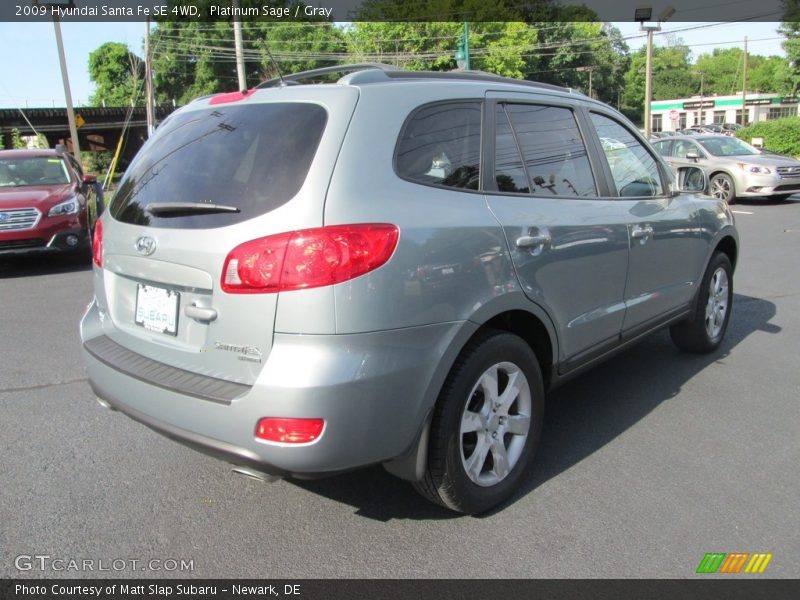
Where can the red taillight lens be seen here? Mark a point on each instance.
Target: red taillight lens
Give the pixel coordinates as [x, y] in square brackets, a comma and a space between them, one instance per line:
[289, 431]
[97, 244]
[308, 258]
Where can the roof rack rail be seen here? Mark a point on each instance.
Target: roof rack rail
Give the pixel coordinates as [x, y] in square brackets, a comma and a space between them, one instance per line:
[472, 76]
[297, 78]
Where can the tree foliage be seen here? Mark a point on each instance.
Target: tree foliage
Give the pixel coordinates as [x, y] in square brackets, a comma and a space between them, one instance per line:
[722, 72]
[780, 135]
[117, 74]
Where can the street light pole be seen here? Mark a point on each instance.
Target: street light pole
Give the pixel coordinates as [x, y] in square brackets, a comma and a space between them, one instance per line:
[642, 15]
[648, 79]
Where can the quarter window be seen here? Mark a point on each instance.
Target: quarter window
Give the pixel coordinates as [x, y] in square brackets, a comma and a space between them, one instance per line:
[633, 168]
[441, 145]
[555, 159]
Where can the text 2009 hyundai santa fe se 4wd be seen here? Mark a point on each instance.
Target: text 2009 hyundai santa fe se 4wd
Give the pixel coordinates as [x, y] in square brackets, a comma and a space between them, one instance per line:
[392, 268]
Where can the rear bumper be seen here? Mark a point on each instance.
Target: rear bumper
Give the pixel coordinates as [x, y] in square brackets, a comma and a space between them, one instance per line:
[373, 390]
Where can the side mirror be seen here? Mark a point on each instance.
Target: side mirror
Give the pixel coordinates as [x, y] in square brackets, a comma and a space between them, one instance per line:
[89, 179]
[692, 179]
[692, 155]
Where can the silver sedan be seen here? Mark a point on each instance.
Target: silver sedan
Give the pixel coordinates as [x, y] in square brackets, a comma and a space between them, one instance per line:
[735, 168]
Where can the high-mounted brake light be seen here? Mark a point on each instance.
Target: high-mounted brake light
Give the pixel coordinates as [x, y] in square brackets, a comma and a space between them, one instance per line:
[308, 258]
[229, 97]
[97, 244]
[289, 431]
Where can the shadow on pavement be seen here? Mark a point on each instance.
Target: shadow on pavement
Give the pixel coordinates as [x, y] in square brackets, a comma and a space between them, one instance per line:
[43, 264]
[582, 417]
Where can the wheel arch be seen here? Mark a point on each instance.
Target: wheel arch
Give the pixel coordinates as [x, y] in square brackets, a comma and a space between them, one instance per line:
[536, 330]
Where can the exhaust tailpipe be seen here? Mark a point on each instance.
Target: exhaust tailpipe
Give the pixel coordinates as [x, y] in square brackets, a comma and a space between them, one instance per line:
[258, 475]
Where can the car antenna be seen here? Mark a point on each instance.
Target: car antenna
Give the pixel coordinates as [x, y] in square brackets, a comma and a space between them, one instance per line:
[274, 64]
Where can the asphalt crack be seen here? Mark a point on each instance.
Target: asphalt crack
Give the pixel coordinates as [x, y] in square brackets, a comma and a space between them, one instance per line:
[42, 386]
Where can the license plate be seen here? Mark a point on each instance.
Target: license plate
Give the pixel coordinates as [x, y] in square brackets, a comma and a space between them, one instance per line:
[157, 309]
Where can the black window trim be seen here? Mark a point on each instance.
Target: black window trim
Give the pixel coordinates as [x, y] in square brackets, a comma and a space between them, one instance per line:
[482, 129]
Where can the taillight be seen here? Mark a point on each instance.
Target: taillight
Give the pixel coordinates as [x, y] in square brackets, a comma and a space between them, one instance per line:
[97, 244]
[289, 431]
[308, 258]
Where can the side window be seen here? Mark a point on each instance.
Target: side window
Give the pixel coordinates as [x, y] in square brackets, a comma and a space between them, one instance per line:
[75, 165]
[663, 147]
[555, 158]
[634, 169]
[440, 144]
[508, 170]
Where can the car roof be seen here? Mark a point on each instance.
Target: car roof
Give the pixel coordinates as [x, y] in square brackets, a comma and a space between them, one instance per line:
[368, 74]
[33, 153]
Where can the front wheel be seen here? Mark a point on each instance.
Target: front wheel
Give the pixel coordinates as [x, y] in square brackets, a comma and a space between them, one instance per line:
[704, 332]
[486, 425]
[721, 187]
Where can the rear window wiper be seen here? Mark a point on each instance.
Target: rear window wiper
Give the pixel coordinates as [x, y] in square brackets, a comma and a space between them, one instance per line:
[179, 209]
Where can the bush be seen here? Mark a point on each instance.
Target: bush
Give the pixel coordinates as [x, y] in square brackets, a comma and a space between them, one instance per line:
[96, 163]
[780, 135]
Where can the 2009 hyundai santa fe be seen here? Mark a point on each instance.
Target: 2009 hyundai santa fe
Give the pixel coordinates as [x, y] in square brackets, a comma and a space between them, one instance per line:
[392, 268]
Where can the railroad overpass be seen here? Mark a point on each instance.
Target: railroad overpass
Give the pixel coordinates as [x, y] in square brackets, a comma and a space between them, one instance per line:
[99, 130]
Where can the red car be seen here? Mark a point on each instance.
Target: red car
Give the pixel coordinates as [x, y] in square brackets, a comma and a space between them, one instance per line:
[45, 203]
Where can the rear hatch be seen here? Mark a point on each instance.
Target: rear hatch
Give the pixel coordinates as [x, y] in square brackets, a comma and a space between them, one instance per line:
[215, 175]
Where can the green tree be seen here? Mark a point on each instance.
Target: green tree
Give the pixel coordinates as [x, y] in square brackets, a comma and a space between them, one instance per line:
[197, 58]
[722, 72]
[117, 74]
[791, 29]
[672, 78]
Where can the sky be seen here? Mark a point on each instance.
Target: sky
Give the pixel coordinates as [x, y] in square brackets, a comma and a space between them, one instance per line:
[33, 78]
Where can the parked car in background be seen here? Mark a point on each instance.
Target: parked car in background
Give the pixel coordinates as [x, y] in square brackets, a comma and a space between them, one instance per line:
[46, 203]
[392, 269]
[735, 168]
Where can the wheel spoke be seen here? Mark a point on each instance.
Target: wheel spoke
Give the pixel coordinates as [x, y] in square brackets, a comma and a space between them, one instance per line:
[472, 422]
[500, 458]
[509, 394]
[488, 383]
[519, 424]
[476, 460]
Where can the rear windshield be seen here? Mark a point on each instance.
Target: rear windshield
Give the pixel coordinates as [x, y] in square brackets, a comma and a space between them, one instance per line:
[250, 158]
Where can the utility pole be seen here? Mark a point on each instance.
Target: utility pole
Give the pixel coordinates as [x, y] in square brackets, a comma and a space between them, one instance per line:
[148, 80]
[702, 110]
[73, 129]
[590, 69]
[237, 42]
[744, 86]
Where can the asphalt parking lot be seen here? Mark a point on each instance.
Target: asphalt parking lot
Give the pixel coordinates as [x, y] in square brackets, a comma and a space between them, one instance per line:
[646, 464]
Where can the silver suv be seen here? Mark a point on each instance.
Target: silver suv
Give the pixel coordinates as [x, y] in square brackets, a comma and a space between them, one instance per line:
[392, 268]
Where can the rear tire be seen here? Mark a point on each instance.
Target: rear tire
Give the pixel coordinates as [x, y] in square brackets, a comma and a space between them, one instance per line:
[486, 425]
[703, 333]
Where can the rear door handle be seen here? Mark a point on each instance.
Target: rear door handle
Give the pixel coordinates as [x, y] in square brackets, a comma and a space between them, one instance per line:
[531, 241]
[200, 313]
[642, 232]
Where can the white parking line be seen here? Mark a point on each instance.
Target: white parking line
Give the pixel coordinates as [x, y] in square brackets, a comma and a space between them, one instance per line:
[741, 212]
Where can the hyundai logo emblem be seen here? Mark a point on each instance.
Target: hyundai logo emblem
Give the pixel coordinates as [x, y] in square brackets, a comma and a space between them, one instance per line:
[145, 245]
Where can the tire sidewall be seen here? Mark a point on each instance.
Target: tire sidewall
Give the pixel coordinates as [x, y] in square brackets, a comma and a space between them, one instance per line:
[501, 347]
[732, 198]
[719, 260]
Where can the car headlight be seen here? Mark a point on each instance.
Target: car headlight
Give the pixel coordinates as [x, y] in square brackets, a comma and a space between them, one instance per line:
[68, 207]
[755, 169]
